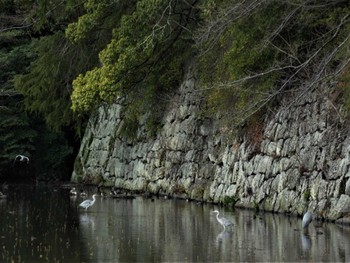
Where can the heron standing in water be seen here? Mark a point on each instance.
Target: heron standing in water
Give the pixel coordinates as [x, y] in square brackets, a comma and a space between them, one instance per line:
[73, 191]
[87, 203]
[223, 221]
[307, 218]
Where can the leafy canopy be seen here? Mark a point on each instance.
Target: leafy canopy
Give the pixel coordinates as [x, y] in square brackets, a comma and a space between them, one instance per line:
[30, 35]
[146, 51]
[252, 52]
[47, 85]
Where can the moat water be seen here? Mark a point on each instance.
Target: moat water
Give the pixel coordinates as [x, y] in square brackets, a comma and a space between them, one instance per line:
[45, 224]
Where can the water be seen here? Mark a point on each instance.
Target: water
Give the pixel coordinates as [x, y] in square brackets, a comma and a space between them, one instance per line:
[42, 224]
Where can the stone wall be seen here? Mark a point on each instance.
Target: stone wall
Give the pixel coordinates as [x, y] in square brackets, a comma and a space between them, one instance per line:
[301, 162]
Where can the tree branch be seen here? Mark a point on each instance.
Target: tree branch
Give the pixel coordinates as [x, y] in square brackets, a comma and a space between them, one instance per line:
[317, 64]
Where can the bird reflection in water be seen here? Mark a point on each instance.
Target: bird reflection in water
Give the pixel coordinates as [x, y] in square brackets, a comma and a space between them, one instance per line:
[86, 220]
[224, 235]
[306, 241]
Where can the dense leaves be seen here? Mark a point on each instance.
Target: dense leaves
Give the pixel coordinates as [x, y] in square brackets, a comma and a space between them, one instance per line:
[259, 50]
[16, 135]
[250, 52]
[47, 85]
[145, 55]
[35, 90]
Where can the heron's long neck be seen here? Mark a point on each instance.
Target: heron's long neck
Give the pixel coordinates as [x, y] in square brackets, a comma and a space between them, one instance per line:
[217, 216]
[93, 199]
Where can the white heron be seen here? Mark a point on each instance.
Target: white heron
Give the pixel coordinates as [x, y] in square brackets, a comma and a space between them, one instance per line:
[73, 191]
[114, 193]
[22, 158]
[223, 221]
[87, 203]
[307, 218]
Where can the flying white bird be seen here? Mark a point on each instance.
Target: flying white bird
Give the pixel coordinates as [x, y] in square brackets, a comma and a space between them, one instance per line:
[22, 158]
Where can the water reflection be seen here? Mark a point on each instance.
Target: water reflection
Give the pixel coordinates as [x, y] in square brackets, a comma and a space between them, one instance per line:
[87, 221]
[41, 224]
[223, 237]
[305, 241]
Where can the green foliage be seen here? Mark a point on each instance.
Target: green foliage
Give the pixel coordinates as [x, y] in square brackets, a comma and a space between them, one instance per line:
[137, 50]
[20, 57]
[99, 14]
[253, 58]
[20, 133]
[231, 200]
[47, 83]
[241, 52]
[144, 57]
[307, 195]
[129, 127]
[263, 51]
[16, 135]
[49, 16]
[46, 87]
[209, 8]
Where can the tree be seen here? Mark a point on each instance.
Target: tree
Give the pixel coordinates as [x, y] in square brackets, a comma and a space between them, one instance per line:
[22, 107]
[46, 86]
[262, 49]
[150, 44]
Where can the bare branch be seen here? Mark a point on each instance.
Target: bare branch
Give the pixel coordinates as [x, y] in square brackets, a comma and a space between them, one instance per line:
[24, 24]
[209, 34]
[15, 27]
[8, 93]
[316, 68]
[171, 19]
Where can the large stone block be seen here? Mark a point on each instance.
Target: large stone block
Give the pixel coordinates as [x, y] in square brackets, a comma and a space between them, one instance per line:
[340, 207]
